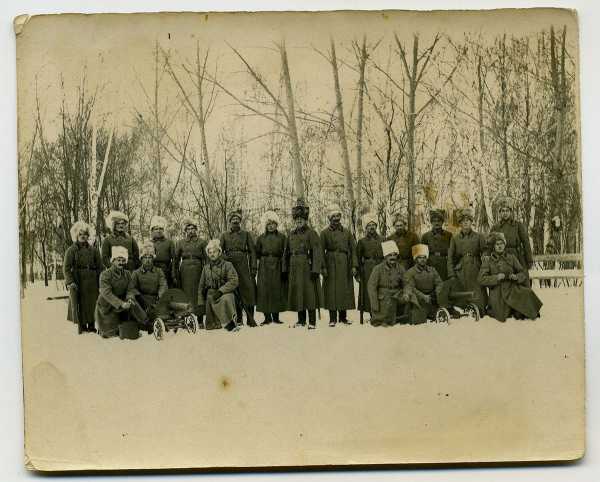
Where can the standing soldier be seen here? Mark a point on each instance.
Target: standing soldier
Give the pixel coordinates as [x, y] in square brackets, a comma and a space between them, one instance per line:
[438, 242]
[386, 288]
[515, 233]
[465, 254]
[188, 263]
[271, 289]
[339, 253]
[82, 268]
[163, 247]
[117, 222]
[303, 263]
[404, 239]
[369, 255]
[422, 284]
[238, 249]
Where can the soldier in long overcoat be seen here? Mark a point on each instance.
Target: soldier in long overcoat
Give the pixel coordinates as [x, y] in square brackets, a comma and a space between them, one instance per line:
[238, 249]
[386, 288]
[148, 283]
[163, 247]
[467, 248]
[438, 241]
[422, 284]
[515, 232]
[117, 222]
[271, 285]
[368, 255]
[216, 289]
[339, 269]
[303, 263]
[82, 267]
[404, 239]
[510, 294]
[189, 260]
[112, 307]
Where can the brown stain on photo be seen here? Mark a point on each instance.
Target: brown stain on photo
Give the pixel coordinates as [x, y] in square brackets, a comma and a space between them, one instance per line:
[225, 383]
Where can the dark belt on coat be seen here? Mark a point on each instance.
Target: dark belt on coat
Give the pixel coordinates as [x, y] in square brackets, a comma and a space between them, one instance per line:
[86, 268]
[235, 251]
[191, 257]
[275, 256]
[439, 254]
[336, 251]
[299, 253]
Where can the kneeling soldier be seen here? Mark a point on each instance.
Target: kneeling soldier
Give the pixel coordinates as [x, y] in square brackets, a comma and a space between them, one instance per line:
[112, 308]
[218, 282]
[422, 284]
[148, 283]
[385, 287]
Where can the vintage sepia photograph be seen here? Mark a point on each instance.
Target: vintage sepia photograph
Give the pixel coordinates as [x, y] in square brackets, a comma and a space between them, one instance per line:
[300, 239]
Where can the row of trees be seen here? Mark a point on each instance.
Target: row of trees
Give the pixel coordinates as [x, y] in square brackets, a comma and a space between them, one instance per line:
[408, 125]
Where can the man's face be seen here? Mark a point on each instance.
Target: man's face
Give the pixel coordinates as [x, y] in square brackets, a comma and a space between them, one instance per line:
[147, 261]
[300, 222]
[505, 213]
[158, 232]
[371, 228]
[213, 253]
[391, 259]
[437, 223]
[421, 260]
[83, 236]
[335, 219]
[466, 224]
[191, 230]
[499, 246]
[400, 226]
[120, 226]
[235, 222]
[119, 262]
[271, 226]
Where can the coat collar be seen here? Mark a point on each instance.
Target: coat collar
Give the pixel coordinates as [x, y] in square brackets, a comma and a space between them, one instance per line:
[339, 227]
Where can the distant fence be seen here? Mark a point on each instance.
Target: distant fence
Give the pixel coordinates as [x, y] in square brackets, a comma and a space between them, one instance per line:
[555, 270]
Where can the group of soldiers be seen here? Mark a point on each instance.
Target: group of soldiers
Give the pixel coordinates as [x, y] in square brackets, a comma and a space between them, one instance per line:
[401, 279]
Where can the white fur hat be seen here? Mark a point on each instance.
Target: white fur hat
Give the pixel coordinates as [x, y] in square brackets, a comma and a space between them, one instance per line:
[118, 252]
[148, 249]
[79, 226]
[114, 216]
[389, 247]
[332, 210]
[269, 217]
[214, 244]
[420, 250]
[158, 222]
[370, 218]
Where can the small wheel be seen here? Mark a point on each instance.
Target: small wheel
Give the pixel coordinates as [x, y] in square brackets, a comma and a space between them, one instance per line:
[159, 329]
[442, 315]
[473, 311]
[191, 323]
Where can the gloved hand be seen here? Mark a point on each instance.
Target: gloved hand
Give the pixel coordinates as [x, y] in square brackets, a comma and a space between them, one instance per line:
[513, 277]
[500, 276]
[72, 286]
[427, 299]
[126, 305]
[217, 295]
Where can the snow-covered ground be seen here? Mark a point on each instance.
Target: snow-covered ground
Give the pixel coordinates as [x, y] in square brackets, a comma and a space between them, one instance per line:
[276, 395]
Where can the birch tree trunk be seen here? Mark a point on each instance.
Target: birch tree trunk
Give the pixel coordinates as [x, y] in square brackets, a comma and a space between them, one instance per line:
[341, 130]
[291, 122]
[359, 132]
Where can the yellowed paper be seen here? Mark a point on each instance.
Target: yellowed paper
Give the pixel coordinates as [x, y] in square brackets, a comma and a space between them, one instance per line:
[459, 392]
